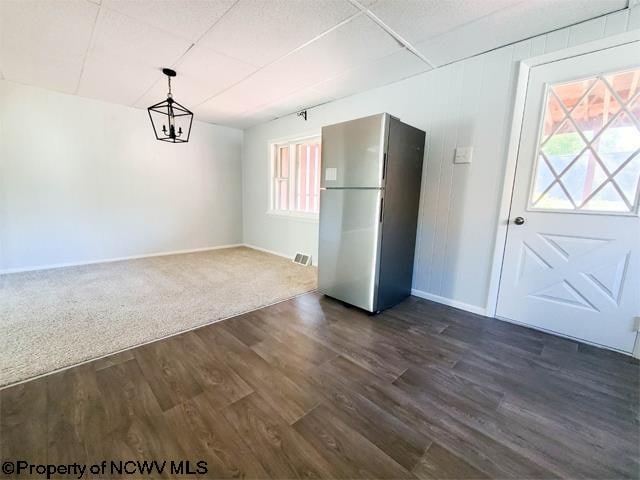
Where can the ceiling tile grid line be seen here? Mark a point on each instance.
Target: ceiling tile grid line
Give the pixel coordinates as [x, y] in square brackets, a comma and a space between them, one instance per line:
[160, 78]
[257, 59]
[352, 44]
[381, 23]
[306, 44]
[89, 46]
[392, 32]
[564, 27]
[143, 11]
[272, 105]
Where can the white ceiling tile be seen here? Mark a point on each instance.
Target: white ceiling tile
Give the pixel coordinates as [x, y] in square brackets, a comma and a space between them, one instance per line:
[306, 98]
[417, 20]
[188, 19]
[250, 120]
[511, 25]
[185, 91]
[109, 78]
[394, 67]
[202, 73]
[119, 35]
[214, 115]
[546, 15]
[346, 47]
[235, 101]
[44, 43]
[257, 60]
[259, 31]
[126, 57]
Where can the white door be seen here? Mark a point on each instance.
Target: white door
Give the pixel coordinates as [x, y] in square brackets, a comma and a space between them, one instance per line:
[572, 257]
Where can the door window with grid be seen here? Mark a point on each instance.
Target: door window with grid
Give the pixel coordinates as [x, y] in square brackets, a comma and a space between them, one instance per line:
[295, 177]
[589, 148]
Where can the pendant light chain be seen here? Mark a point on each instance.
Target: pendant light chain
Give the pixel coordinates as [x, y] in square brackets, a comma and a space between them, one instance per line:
[169, 94]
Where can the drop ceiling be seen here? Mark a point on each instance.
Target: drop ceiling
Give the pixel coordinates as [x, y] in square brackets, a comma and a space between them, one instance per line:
[242, 62]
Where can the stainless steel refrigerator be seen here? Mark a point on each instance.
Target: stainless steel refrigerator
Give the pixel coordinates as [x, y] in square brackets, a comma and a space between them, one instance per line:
[369, 196]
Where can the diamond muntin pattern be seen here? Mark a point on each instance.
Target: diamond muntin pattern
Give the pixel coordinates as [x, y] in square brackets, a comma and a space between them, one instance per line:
[589, 153]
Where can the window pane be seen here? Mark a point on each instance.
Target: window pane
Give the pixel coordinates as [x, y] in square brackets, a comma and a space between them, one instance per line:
[626, 84]
[597, 108]
[571, 93]
[618, 142]
[552, 117]
[563, 146]
[282, 194]
[583, 177]
[629, 177]
[283, 162]
[544, 178]
[308, 177]
[590, 140]
[607, 199]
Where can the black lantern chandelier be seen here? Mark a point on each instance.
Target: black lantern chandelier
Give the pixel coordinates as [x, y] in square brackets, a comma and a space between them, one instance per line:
[171, 121]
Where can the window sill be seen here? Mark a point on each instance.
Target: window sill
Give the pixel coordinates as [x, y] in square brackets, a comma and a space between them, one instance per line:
[298, 216]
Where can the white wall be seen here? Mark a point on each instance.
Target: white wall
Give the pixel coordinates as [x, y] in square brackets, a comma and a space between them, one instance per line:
[82, 180]
[467, 103]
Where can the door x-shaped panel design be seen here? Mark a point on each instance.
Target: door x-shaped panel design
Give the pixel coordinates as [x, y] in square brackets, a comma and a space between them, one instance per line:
[579, 272]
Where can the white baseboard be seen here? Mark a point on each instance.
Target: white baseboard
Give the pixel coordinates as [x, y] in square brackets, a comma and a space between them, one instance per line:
[117, 259]
[448, 301]
[248, 245]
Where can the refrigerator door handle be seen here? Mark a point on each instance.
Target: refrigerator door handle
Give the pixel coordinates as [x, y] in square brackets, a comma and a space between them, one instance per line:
[384, 165]
[381, 208]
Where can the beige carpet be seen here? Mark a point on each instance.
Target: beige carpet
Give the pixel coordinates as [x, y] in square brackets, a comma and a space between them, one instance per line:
[55, 318]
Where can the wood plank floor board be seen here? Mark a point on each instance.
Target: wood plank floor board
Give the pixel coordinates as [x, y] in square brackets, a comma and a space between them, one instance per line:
[24, 422]
[244, 329]
[438, 463]
[311, 388]
[451, 389]
[347, 449]
[439, 421]
[125, 394]
[535, 389]
[382, 363]
[205, 434]
[282, 451]
[169, 377]
[388, 431]
[280, 391]
[145, 438]
[115, 359]
[77, 417]
[224, 384]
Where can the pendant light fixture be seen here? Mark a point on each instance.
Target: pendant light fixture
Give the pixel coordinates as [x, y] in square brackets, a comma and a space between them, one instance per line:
[171, 121]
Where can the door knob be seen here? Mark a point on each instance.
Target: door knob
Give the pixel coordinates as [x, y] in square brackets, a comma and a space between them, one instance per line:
[518, 220]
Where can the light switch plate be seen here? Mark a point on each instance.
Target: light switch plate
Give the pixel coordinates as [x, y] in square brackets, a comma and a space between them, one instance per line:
[463, 155]
[331, 174]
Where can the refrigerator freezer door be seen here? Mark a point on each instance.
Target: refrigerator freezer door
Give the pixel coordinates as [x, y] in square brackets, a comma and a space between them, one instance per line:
[353, 152]
[348, 246]
[405, 153]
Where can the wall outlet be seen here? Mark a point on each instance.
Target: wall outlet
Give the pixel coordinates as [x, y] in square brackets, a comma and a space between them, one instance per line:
[463, 155]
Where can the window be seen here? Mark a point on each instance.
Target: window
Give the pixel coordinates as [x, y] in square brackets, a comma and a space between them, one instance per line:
[295, 177]
[589, 150]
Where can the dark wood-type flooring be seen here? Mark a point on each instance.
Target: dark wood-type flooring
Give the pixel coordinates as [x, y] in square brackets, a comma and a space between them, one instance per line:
[312, 388]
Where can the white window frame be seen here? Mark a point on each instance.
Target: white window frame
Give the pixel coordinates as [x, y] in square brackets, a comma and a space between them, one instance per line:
[291, 142]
